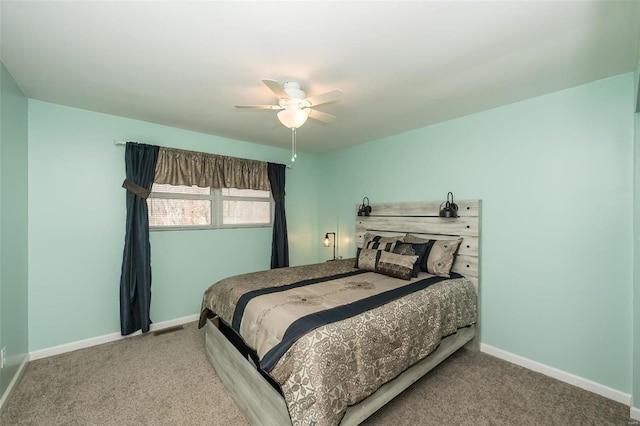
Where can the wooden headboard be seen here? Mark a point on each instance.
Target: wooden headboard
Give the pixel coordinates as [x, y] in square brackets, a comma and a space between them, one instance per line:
[422, 219]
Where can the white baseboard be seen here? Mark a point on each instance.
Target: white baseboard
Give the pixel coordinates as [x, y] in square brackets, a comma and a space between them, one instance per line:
[14, 382]
[634, 413]
[572, 379]
[93, 341]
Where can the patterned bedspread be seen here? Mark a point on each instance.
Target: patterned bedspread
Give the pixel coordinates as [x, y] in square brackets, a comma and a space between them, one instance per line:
[341, 359]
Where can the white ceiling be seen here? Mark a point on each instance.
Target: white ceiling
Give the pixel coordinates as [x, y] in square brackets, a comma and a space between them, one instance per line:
[401, 65]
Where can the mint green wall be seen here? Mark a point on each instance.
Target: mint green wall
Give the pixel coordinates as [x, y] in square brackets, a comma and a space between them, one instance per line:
[555, 175]
[76, 220]
[13, 226]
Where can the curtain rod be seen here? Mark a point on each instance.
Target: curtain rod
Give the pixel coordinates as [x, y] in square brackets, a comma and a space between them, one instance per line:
[288, 166]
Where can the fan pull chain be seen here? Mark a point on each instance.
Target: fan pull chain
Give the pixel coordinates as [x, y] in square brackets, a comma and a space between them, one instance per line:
[293, 144]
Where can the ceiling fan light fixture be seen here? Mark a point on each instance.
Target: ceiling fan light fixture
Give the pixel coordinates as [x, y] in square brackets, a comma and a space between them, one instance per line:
[295, 107]
[293, 117]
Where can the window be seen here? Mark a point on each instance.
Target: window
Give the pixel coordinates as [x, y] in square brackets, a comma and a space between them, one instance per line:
[192, 207]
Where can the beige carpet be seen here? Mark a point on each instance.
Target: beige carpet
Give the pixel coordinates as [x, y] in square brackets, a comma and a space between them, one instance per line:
[166, 380]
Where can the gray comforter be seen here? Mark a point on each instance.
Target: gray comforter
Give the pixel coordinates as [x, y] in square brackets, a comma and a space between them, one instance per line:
[343, 361]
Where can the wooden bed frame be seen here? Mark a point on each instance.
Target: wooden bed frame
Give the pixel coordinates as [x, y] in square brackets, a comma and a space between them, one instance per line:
[263, 405]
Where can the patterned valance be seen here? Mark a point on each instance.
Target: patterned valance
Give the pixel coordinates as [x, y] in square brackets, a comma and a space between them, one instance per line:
[181, 167]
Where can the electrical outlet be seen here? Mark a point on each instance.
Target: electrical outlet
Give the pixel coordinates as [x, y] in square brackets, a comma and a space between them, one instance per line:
[3, 356]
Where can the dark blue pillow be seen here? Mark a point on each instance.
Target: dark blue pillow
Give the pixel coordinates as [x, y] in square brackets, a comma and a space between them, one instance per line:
[414, 249]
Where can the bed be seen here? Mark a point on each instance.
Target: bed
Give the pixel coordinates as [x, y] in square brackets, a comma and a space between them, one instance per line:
[330, 344]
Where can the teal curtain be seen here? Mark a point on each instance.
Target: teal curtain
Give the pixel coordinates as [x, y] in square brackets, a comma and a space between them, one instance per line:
[135, 278]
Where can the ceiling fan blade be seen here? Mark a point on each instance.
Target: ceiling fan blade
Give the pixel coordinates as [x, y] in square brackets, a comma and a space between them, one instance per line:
[323, 98]
[260, 106]
[276, 88]
[321, 116]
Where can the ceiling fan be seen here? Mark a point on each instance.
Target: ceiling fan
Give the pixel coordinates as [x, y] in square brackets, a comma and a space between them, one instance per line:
[296, 107]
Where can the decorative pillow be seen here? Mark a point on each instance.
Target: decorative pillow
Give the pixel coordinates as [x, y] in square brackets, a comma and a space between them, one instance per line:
[441, 257]
[440, 254]
[410, 238]
[396, 265]
[377, 242]
[410, 249]
[368, 259]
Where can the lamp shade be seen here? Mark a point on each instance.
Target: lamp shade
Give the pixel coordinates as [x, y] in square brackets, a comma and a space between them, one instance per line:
[449, 208]
[293, 117]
